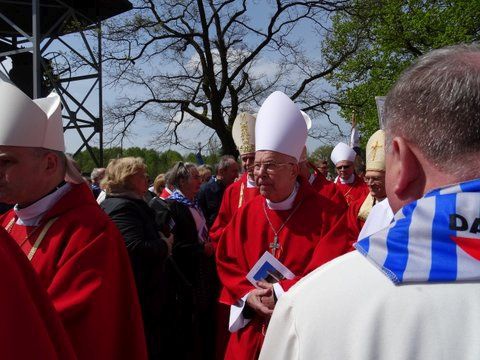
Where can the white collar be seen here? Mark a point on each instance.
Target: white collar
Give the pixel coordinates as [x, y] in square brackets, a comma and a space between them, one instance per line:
[32, 214]
[350, 180]
[286, 204]
[312, 177]
[250, 183]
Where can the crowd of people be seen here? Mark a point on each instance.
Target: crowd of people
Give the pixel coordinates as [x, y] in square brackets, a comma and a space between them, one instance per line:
[272, 258]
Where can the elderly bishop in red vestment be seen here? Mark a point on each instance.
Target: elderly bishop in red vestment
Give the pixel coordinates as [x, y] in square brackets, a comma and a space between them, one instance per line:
[290, 220]
[75, 249]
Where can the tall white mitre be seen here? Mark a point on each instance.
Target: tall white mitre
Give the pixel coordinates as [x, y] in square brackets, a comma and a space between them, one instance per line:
[342, 152]
[30, 123]
[280, 126]
[33, 123]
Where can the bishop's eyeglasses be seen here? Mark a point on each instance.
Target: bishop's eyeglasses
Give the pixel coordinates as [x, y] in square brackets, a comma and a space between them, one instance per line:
[269, 167]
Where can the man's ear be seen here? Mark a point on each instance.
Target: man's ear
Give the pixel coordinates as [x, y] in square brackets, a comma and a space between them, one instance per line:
[52, 162]
[407, 171]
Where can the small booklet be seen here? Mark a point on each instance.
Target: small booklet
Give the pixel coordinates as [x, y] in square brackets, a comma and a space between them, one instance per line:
[268, 269]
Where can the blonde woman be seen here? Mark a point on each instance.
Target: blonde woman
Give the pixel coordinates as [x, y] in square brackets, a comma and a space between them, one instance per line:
[125, 183]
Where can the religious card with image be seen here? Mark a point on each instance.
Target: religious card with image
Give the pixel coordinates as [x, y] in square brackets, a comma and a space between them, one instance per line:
[268, 269]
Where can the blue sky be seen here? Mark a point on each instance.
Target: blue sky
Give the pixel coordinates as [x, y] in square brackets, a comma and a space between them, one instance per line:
[142, 133]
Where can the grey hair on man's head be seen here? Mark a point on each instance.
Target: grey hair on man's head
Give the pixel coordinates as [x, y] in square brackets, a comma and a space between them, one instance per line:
[435, 105]
[225, 162]
[179, 173]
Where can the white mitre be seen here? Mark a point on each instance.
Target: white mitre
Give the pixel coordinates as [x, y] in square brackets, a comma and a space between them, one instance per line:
[32, 123]
[376, 152]
[280, 126]
[342, 152]
[243, 133]
[307, 119]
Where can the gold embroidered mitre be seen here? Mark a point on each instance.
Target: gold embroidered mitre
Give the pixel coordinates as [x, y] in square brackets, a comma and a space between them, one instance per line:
[376, 152]
[243, 133]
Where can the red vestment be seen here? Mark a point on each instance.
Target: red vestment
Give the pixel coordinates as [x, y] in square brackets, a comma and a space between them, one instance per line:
[354, 223]
[354, 191]
[328, 189]
[29, 327]
[165, 194]
[235, 196]
[84, 265]
[315, 234]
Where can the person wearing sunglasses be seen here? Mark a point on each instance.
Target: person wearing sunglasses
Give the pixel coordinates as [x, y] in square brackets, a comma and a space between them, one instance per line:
[410, 290]
[352, 186]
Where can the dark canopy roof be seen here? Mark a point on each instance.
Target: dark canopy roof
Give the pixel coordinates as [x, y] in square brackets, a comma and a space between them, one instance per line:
[51, 11]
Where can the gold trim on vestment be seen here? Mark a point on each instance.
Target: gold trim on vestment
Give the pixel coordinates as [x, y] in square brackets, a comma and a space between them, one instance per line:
[366, 207]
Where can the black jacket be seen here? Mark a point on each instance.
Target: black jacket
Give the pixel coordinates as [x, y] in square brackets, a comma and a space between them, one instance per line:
[147, 251]
[210, 198]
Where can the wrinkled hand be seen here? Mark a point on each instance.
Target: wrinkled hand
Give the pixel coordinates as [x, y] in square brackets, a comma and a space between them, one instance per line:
[258, 300]
[268, 301]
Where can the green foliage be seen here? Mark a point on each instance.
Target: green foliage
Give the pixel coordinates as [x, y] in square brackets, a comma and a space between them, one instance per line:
[390, 34]
[323, 153]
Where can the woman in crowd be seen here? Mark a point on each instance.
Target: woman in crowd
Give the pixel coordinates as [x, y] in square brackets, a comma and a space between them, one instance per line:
[125, 184]
[192, 269]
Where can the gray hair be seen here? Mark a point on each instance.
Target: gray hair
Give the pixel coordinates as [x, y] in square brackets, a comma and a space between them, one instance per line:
[225, 162]
[96, 173]
[435, 105]
[180, 173]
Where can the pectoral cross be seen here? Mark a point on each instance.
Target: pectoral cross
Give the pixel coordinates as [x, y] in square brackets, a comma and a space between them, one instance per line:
[274, 245]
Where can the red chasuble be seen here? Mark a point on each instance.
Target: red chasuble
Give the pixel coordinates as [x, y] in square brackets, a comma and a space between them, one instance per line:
[235, 196]
[354, 191]
[29, 326]
[84, 265]
[315, 234]
[328, 189]
[354, 223]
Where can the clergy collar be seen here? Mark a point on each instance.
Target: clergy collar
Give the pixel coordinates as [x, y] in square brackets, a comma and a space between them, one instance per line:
[286, 204]
[32, 214]
[250, 183]
[350, 180]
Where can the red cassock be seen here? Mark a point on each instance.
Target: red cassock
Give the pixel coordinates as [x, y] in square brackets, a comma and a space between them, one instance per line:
[354, 223]
[84, 265]
[235, 196]
[328, 189]
[315, 234]
[354, 191]
[29, 327]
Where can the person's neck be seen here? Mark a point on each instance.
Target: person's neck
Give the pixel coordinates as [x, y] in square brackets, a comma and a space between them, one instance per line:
[49, 190]
[285, 196]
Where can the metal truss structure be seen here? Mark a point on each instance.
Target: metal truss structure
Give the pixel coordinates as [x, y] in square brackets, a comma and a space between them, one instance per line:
[60, 49]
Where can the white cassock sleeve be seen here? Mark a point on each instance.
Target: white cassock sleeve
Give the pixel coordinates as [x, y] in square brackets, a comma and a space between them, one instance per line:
[281, 341]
